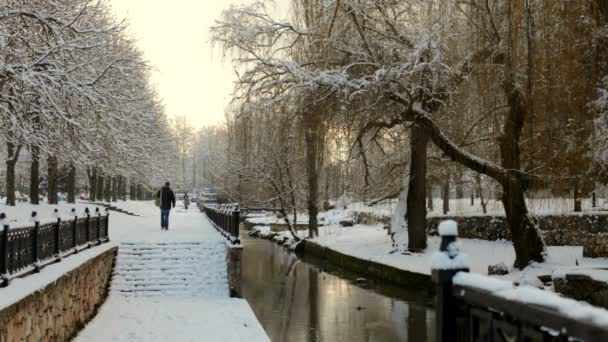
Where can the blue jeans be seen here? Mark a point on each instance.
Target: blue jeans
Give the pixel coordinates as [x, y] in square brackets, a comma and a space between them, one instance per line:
[164, 218]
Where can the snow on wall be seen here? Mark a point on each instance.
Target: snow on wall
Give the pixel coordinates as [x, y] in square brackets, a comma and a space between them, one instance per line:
[530, 295]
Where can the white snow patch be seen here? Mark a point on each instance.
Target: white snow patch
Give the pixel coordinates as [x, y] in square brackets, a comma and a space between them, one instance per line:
[448, 228]
[530, 295]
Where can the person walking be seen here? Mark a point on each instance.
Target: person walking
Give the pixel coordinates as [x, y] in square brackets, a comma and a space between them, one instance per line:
[167, 200]
[186, 201]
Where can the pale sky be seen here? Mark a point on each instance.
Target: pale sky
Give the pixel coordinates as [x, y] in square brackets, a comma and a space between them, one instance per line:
[192, 77]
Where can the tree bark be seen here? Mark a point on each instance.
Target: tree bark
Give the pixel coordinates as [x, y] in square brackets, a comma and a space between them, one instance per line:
[52, 179]
[132, 191]
[124, 188]
[527, 242]
[92, 173]
[35, 175]
[577, 197]
[429, 196]
[416, 192]
[445, 193]
[11, 162]
[480, 191]
[71, 184]
[114, 189]
[108, 189]
[311, 139]
[100, 186]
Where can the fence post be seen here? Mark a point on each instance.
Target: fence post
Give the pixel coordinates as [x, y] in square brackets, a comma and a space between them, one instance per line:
[35, 242]
[58, 239]
[98, 225]
[4, 278]
[75, 231]
[228, 227]
[446, 263]
[107, 231]
[88, 220]
[236, 218]
[57, 216]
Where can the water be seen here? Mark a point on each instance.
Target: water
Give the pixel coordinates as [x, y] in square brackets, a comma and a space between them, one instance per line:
[306, 301]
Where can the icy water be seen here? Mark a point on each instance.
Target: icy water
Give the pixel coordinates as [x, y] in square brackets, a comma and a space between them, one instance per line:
[306, 301]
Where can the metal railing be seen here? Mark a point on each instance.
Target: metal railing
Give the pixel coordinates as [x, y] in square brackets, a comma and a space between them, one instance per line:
[473, 307]
[225, 218]
[24, 251]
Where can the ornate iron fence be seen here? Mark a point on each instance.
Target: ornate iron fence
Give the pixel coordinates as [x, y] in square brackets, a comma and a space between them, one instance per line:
[474, 307]
[24, 251]
[226, 219]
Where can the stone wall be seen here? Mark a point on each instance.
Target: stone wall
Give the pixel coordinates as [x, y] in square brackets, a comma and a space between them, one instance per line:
[407, 279]
[364, 217]
[587, 230]
[62, 308]
[582, 287]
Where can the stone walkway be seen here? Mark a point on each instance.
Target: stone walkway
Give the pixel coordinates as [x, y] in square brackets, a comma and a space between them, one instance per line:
[170, 285]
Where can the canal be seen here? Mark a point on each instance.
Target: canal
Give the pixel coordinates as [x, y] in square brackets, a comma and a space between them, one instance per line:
[306, 300]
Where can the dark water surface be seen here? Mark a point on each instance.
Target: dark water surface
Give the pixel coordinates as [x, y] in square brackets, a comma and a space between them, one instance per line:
[305, 301]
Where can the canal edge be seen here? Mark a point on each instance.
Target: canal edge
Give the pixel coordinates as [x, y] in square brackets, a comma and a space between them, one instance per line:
[367, 268]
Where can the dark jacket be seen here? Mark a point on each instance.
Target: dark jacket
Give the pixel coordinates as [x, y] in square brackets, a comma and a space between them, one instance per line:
[168, 197]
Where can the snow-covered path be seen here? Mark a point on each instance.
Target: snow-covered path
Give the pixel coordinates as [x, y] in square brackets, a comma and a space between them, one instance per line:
[170, 285]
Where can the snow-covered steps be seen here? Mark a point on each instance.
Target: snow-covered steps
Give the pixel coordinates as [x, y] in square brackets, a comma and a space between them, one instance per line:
[191, 269]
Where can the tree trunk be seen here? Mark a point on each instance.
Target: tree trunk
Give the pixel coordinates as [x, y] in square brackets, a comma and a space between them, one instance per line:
[52, 179]
[132, 191]
[11, 162]
[526, 238]
[108, 189]
[527, 242]
[100, 186]
[119, 189]
[429, 196]
[480, 192]
[445, 193]
[416, 192]
[71, 183]
[92, 173]
[577, 198]
[114, 189]
[124, 188]
[459, 191]
[311, 140]
[35, 175]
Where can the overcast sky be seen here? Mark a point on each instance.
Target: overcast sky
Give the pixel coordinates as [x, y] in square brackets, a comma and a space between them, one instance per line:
[192, 78]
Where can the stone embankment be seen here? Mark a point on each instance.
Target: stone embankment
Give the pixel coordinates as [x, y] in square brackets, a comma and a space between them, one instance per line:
[59, 310]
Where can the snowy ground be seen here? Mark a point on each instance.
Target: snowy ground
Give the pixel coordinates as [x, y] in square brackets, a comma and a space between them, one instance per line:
[170, 285]
[371, 242]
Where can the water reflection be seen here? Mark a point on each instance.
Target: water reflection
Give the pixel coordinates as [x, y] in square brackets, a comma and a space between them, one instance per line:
[297, 302]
